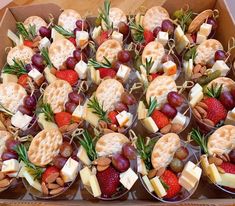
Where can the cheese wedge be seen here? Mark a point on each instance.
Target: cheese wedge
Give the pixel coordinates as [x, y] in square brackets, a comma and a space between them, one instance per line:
[158, 187]
[46, 124]
[214, 174]
[148, 183]
[204, 164]
[141, 168]
[85, 175]
[150, 124]
[142, 111]
[49, 76]
[30, 179]
[94, 186]
[82, 155]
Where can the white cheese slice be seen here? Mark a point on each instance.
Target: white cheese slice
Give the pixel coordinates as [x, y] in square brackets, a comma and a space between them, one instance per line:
[197, 98]
[44, 43]
[20, 120]
[82, 155]
[220, 65]
[128, 178]
[96, 32]
[82, 38]
[10, 166]
[95, 186]
[30, 179]
[162, 37]
[200, 38]
[85, 175]
[205, 29]
[150, 124]
[148, 183]
[123, 72]
[117, 36]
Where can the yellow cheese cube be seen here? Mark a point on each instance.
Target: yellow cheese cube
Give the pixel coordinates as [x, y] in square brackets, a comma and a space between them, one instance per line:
[49, 76]
[147, 183]
[158, 187]
[82, 155]
[46, 124]
[95, 187]
[214, 174]
[186, 183]
[85, 175]
[150, 124]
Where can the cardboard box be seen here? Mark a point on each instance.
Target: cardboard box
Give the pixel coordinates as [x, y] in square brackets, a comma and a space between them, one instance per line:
[206, 194]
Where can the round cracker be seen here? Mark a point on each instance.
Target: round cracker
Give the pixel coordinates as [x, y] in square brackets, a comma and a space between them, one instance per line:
[116, 16]
[59, 51]
[4, 136]
[154, 50]
[35, 20]
[109, 93]
[108, 49]
[56, 94]
[228, 84]
[110, 144]
[206, 51]
[22, 53]
[45, 146]
[222, 141]
[159, 88]
[154, 17]
[199, 20]
[68, 18]
[164, 150]
[12, 95]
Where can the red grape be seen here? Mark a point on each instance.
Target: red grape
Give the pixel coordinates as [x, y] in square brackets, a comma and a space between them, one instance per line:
[176, 165]
[25, 110]
[70, 107]
[45, 32]
[123, 28]
[213, 22]
[71, 62]
[220, 55]
[9, 155]
[156, 31]
[175, 99]
[232, 156]
[166, 58]
[59, 161]
[78, 54]
[116, 65]
[169, 111]
[38, 61]
[119, 107]
[11, 144]
[82, 25]
[127, 98]
[227, 100]
[120, 162]
[181, 153]
[66, 149]
[167, 26]
[76, 98]
[30, 102]
[124, 56]
[129, 151]
[29, 67]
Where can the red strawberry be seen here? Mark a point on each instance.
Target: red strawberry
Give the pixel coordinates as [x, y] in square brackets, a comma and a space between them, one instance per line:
[51, 171]
[160, 119]
[106, 72]
[112, 117]
[28, 43]
[103, 37]
[72, 40]
[68, 75]
[108, 181]
[23, 80]
[153, 76]
[63, 118]
[228, 167]
[171, 180]
[216, 111]
[148, 36]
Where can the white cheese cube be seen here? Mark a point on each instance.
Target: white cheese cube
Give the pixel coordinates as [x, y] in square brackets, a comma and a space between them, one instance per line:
[192, 172]
[44, 43]
[117, 36]
[147, 183]
[122, 118]
[82, 39]
[78, 113]
[85, 175]
[82, 155]
[169, 68]
[95, 187]
[156, 65]
[197, 88]
[123, 72]
[205, 29]
[70, 170]
[150, 124]
[20, 120]
[179, 119]
[11, 165]
[186, 183]
[81, 69]
[197, 98]
[162, 37]
[221, 66]
[141, 168]
[30, 179]
[158, 187]
[200, 38]
[128, 178]
[96, 32]
[12, 174]
[35, 74]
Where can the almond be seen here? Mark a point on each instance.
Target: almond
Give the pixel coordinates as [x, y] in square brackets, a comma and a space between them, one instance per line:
[209, 122]
[56, 191]
[196, 76]
[176, 128]
[52, 177]
[53, 70]
[152, 173]
[227, 157]
[63, 129]
[4, 182]
[197, 114]
[197, 69]
[44, 189]
[166, 129]
[215, 160]
[223, 158]
[2, 175]
[60, 181]
[103, 161]
[72, 127]
[202, 111]
[52, 186]
[202, 105]
[102, 168]
[160, 171]
[106, 131]
[203, 70]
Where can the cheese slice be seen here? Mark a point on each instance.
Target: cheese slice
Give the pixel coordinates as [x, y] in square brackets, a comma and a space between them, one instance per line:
[82, 155]
[55, 35]
[30, 179]
[147, 183]
[158, 187]
[227, 180]
[214, 174]
[85, 175]
[49, 76]
[141, 168]
[197, 98]
[90, 117]
[142, 111]
[128, 178]
[192, 172]
[94, 186]
[150, 124]
[46, 124]
[22, 168]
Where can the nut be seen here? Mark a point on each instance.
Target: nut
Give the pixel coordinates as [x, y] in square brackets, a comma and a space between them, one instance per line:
[102, 161]
[202, 105]
[197, 114]
[160, 171]
[176, 128]
[63, 129]
[4, 182]
[166, 129]
[60, 181]
[196, 76]
[52, 186]
[223, 157]
[197, 69]
[102, 168]
[201, 111]
[209, 122]
[106, 131]
[72, 127]
[221, 170]
[52, 177]
[203, 70]
[152, 173]
[56, 191]
[2, 175]
[44, 189]
[102, 124]
[215, 160]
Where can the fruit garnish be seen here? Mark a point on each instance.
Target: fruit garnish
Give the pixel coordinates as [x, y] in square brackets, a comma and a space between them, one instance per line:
[104, 15]
[138, 31]
[199, 139]
[49, 172]
[183, 18]
[216, 111]
[97, 109]
[171, 180]
[108, 181]
[47, 110]
[96, 64]
[190, 54]
[45, 55]
[63, 32]
[120, 162]
[68, 75]
[45, 32]
[232, 156]
[160, 119]
[63, 118]
[30, 34]
[28, 43]
[175, 99]
[128, 98]
[168, 110]
[152, 105]
[227, 100]
[104, 35]
[124, 56]
[144, 149]
[112, 117]
[220, 55]
[106, 72]
[148, 36]
[18, 68]
[228, 167]
[214, 91]
[23, 156]
[23, 80]
[182, 153]
[129, 151]
[167, 26]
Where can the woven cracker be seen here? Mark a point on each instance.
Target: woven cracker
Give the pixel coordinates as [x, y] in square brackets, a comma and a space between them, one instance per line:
[68, 18]
[222, 141]
[4, 136]
[108, 49]
[35, 20]
[199, 20]
[109, 93]
[59, 51]
[164, 150]
[159, 88]
[110, 143]
[228, 84]
[154, 50]
[154, 17]
[45, 146]
[12, 95]
[206, 51]
[21, 52]
[56, 94]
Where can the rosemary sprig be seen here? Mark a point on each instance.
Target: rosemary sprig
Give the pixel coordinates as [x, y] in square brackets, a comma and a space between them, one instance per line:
[145, 150]
[35, 171]
[148, 64]
[47, 110]
[63, 32]
[191, 54]
[46, 57]
[95, 64]
[199, 139]
[30, 34]
[138, 31]
[104, 15]
[184, 18]
[97, 109]
[89, 145]
[152, 105]
[214, 91]
[17, 68]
